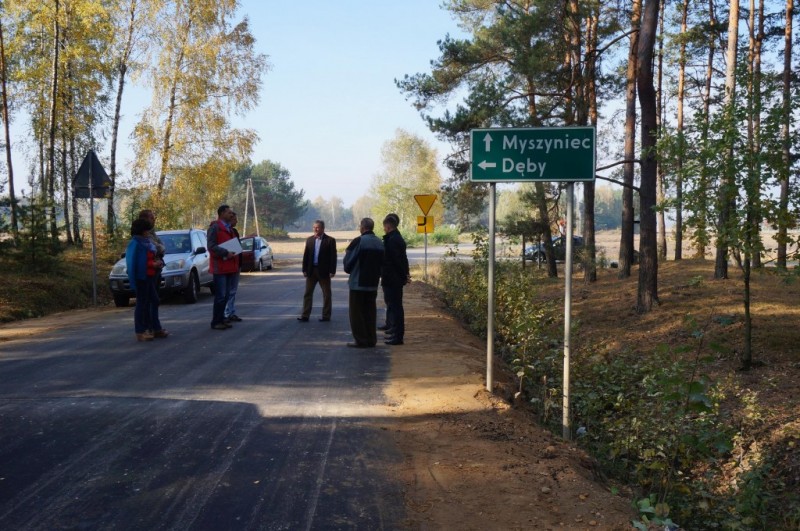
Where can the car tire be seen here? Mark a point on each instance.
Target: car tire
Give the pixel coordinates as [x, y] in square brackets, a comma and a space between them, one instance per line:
[192, 291]
[271, 259]
[121, 300]
[261, 265]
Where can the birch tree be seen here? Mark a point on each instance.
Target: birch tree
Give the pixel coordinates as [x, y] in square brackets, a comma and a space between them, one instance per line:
[206, 71]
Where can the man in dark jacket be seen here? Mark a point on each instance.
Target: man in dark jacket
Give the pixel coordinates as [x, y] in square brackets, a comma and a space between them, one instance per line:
[363, 260]
[394, 275]
[319, 267]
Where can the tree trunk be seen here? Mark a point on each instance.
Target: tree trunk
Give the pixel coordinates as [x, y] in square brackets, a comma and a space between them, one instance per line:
[681, 138]
[647, 293]
[754, 125]
[590, 77]
[65, 188]
[167, 143]
[786, 134]
[51, 148]
[701, 235]
[727, 190]
[76, 218]
[660, 195]
[626, 249]
[9, 163]
[122, 70]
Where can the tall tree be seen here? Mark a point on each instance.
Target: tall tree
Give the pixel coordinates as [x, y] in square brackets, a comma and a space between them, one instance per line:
[660, 185]
[409, 167]
[207, 70]
[626, 249]
[726, 199]
[786, 145]
[647, 293]
[7, 129]
[129, 18]
[680, 132]
[277, 202]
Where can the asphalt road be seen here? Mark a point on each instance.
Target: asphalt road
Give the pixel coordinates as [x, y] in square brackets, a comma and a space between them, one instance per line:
[261, 426]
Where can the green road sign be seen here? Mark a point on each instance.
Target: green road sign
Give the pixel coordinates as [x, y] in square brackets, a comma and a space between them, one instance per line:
[532, 154]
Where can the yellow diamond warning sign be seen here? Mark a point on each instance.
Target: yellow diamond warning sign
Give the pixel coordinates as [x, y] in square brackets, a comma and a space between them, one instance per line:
[425, 202]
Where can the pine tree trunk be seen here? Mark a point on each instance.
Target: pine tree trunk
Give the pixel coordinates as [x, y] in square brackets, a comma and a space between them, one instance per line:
[786, 132]
[590, 76]
[660, 195]
[647, 293]
[681, 138]
[626, 248]
[726, 202]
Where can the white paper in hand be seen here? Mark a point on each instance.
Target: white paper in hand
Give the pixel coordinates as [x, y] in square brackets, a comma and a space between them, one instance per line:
[232, 246]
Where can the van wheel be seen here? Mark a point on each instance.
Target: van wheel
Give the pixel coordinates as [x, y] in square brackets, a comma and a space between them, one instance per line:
[192, 291]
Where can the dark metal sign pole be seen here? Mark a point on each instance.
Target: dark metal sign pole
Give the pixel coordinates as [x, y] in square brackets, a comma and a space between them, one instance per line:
[94, 246]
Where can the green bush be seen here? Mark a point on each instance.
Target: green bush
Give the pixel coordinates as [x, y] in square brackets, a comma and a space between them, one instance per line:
[653, 421]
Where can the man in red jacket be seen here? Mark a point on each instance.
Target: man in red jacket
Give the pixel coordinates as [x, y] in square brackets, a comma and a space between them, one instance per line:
[223, 264]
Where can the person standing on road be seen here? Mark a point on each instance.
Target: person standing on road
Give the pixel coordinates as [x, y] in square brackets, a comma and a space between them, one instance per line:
[143, 264]
[230, 308]
[394, 275]
[319, 267]
[363, 260]
[161, 250]
[223, 264]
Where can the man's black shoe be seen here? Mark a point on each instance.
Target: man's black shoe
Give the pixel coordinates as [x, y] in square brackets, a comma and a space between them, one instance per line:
[394, 341]
[304, 319]
[383, 327]
[388, 332]
[219, 326]
[356, 345]
[234, 317]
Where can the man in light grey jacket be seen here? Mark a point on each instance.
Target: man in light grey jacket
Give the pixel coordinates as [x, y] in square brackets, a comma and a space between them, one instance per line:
[362, 260]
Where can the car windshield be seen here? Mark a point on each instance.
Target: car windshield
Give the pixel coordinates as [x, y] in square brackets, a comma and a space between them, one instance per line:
[176, 243]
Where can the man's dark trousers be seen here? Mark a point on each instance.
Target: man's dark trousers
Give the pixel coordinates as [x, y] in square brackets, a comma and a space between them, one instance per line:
[395, 315]
[222, 288]
[363, 317]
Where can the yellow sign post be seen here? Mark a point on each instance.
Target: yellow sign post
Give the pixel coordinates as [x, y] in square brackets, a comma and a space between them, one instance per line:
[424, 224]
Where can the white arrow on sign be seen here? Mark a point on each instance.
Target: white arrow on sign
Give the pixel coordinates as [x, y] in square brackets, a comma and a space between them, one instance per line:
[488, 140]
[483, 165]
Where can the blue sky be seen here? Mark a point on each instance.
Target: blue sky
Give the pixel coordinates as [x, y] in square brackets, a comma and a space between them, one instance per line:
[329, 101]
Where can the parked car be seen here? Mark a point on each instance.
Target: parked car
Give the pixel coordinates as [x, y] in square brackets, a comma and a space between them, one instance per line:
[185, 267]
[256, 254]
[536, 252]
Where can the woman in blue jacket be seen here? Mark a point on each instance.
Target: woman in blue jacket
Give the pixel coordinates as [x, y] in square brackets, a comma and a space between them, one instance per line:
[143, 266]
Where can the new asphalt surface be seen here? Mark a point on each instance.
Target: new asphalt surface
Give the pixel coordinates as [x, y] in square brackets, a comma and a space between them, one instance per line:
[262, 426]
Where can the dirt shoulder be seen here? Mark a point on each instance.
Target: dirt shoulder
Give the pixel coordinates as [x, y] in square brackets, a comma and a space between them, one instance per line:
[470, 460]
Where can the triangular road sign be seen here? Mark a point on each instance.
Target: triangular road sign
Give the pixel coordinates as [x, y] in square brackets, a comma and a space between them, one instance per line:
[425, 202]
[91, 172]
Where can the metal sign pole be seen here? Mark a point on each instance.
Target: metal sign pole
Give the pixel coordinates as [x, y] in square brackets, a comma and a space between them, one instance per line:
[566, 432]
[246, 204]
[94, 246]
[490, 310]
[425, 266]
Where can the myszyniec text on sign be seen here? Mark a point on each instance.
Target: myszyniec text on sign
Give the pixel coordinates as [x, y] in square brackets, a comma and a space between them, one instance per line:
[552, 154]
